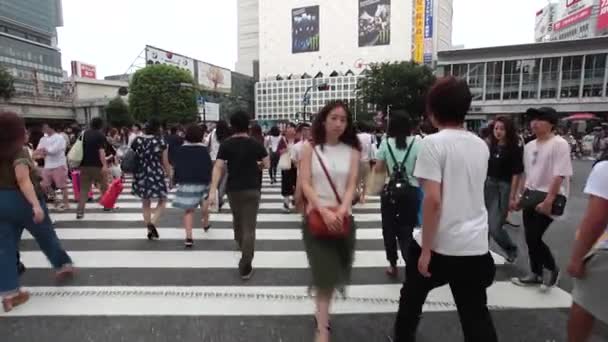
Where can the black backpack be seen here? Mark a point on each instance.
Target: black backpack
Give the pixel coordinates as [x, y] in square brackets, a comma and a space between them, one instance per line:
[399, 191]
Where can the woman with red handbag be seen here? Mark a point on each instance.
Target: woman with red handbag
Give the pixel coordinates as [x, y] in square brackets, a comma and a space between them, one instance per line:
[328, 171]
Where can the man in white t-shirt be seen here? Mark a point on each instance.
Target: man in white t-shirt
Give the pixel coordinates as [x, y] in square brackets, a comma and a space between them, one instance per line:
[303, 131]
[135, 132]
[547, 169]
[52, 146]
[589, 261]
[452, 247]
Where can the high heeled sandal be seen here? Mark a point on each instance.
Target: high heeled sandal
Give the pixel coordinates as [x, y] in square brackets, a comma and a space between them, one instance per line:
[9, 303]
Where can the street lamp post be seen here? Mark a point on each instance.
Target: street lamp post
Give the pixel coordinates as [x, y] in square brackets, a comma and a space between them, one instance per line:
[306, 98]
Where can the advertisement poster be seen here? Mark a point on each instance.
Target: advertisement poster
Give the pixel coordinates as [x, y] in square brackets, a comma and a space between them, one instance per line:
[572, 19]
[305, 29]
[374, 22]
[214, 78]
[602, 17]
[83, 70]
[418, 34]
[158, 56]
[428, 31]
[544, 23]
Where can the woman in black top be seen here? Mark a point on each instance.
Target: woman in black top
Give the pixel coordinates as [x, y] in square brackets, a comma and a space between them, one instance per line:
[504, 170]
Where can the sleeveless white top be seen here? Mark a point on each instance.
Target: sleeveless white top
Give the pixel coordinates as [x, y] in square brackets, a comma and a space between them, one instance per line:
[337, 161]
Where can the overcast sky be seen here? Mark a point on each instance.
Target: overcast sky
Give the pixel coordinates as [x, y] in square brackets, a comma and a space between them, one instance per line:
[112, 33]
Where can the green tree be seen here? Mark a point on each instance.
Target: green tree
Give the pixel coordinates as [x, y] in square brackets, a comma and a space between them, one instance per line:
[117, 113]
[402, 85]
[7, 81]
[164, 92]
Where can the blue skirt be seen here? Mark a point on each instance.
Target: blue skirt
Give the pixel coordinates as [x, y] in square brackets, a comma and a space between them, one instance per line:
[190, 196]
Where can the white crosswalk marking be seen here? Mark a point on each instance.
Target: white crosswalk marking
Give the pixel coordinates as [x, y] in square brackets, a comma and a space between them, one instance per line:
[110, 247]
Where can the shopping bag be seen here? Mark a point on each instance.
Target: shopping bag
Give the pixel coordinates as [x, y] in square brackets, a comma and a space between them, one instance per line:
[76, 153]
[375, 182]
[108, 200]
[285, 161]
[76, 185]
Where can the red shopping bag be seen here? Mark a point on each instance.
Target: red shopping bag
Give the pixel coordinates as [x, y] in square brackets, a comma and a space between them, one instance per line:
[108, 200]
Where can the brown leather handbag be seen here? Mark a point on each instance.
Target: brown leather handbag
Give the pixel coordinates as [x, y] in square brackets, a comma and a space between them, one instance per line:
[316, 225]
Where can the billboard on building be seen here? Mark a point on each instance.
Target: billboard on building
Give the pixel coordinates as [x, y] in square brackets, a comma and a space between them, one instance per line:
[374, 22]
[214, 78]
[602, 17]
[209, 111]
[428, 31]
[305, 29]
[418, 32]
[158, 56]
[544, 23]
[570, 12]
[83, 70]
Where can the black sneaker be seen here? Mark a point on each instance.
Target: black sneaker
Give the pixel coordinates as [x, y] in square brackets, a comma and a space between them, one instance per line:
[246, 272]
[188, 243]
[79, 216]
[528, 281]
[550, 279]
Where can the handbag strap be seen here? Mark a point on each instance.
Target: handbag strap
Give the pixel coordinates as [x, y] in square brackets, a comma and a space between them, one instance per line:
[331, 183]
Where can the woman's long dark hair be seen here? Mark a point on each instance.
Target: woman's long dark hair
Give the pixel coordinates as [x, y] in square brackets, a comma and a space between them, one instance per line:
[222, 131]
[12, 138]
[399, 127]
[349, 137]
[510, 132]
[274, 131]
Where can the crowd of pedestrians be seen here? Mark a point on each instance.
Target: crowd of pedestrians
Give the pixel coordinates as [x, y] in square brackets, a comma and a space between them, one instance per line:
[326, 168]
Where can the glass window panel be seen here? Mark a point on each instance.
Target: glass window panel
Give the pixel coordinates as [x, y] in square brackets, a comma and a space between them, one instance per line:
[476, 75]
[531, 68]
[511, 83]
[550, 76]
[571, 76]
[494, 80]
[595, 68]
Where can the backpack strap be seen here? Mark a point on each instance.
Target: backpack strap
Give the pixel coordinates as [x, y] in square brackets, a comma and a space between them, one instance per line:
[407, 154]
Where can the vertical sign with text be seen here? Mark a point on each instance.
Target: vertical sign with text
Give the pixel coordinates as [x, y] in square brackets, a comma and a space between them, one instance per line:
[428, 31]
[418, 32]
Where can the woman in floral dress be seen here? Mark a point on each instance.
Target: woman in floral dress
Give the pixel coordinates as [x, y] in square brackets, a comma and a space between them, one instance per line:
[150, 176]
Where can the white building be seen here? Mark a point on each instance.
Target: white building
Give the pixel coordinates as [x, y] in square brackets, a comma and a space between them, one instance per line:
[248, 36]
[306, 43]
[572, 19]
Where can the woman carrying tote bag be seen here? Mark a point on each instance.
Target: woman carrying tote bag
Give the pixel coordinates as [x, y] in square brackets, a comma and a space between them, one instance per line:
[328, 171]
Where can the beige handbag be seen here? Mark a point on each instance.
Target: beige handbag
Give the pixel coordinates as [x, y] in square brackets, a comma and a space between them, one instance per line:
[375, 182]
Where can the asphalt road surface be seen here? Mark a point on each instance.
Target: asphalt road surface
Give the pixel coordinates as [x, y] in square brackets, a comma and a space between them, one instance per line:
[131, 289]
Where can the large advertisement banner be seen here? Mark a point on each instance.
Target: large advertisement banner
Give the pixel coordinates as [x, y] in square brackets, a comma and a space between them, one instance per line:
[83, 70]
[544, 23]
[572, 19]
[418, 28]
[374, 22]
[158, 56]
[602, 17]
[305, 29]
[428, 31]
[214, 78]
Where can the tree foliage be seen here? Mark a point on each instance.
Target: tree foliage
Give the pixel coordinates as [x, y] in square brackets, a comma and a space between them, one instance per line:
[117, 113]
[402, 85]
[164, 92]
[7, 87]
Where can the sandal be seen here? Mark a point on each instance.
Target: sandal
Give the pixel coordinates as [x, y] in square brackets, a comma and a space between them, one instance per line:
[9, 303]
[152, 232]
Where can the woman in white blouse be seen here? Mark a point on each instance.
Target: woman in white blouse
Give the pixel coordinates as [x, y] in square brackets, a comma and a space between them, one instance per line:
[335, 146]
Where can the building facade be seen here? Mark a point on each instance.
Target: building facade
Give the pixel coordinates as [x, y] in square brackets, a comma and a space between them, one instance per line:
[28, 47]
[570, 76]
[284, 100]
[248, 37]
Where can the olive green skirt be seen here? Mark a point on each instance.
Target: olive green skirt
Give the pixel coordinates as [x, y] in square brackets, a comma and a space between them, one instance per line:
[330, 260]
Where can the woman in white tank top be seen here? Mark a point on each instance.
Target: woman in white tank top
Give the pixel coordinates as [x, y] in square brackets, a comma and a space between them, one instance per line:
[330, 261]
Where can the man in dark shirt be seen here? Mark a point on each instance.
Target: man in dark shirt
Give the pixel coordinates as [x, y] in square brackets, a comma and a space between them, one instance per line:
[244, 157]
[174, 141]
[93, 168]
